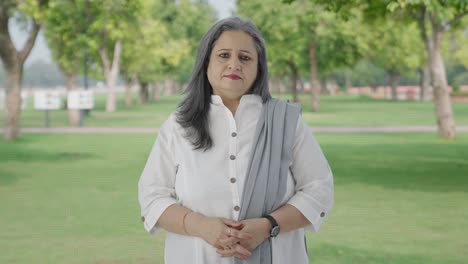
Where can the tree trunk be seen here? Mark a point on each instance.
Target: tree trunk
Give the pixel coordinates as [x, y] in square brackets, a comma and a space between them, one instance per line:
[169, 86]
[293, 81]
[128, 90]
[275, 85]
[177, 87]
[73, 114]
[128, 94]
[111, 72]
[144, 93]
[13, 61]
[424, 82]
[394, 80]
[282, 86]
[443, 105]
[12, 111]
[314, 83]
[323, 86]
[347, 79]
[156, 92]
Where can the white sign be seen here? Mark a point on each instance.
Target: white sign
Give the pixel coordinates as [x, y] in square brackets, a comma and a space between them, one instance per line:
[83, 99]
[46, 100]
[24, 100]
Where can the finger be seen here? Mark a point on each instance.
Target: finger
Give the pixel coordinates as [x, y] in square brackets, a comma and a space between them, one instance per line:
[242, 250]
[239, 234]
[229, 241]
[231, 253]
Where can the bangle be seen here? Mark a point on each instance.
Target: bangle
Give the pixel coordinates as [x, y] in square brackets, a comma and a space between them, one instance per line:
[183, 222]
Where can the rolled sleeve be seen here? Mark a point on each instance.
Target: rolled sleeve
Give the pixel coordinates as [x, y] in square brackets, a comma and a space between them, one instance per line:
[156, 190]
[314, 179]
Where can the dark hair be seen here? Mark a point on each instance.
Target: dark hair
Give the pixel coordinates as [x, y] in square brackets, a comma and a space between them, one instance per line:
[192, 112]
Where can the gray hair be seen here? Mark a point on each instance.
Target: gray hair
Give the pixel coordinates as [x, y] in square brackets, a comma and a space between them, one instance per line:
[192, 112]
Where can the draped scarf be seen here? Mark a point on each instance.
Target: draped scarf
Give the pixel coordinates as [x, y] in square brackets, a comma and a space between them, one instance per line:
[271, 156]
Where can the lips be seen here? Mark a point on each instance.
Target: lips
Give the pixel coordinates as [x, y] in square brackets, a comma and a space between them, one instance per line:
[233, 76]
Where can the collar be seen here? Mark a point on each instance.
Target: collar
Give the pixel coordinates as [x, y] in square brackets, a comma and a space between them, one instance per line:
[245, 99]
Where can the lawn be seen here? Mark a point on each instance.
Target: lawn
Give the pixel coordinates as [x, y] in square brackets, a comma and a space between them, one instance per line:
[344, 110]
[400, 198]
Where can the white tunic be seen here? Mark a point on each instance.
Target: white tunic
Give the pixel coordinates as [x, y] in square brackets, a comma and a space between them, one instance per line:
[211, 182]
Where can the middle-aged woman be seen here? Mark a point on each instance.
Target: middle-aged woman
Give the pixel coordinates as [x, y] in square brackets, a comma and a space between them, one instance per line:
[234, 175]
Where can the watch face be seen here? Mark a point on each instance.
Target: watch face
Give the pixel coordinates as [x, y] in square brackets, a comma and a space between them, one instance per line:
[275, 231]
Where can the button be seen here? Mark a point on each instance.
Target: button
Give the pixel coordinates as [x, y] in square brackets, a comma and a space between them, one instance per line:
[322, 214]
[232, 157]
[234, 134]
[233, 180]
[143, 219]
[236, 208]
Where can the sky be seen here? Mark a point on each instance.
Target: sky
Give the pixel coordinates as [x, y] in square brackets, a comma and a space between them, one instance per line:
[42, 52]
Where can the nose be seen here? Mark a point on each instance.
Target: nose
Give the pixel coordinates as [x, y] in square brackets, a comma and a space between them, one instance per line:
[234, 64]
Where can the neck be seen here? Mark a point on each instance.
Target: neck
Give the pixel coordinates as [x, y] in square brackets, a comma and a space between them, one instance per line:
[231, 104]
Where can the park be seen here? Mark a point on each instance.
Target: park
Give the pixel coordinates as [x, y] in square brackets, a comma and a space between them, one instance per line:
[69, 177]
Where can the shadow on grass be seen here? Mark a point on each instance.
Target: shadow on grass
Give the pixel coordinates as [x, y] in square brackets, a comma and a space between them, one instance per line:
[22, 153]
[7, 177]
[409, 166]
[328, 253]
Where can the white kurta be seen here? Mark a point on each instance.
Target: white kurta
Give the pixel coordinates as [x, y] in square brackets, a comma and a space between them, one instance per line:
[212, 182]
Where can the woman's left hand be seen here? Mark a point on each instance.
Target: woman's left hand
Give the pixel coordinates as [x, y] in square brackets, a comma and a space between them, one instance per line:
[259, 228]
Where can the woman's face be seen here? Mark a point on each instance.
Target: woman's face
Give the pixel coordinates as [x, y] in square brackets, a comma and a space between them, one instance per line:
[232, 68]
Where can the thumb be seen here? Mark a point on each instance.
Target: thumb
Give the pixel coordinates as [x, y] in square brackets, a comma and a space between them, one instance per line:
[231, 223]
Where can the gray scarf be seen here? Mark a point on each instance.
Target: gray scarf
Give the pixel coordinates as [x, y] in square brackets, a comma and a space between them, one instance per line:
[271, 154]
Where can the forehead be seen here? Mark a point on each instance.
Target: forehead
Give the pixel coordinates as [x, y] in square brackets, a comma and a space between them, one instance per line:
[237, 40]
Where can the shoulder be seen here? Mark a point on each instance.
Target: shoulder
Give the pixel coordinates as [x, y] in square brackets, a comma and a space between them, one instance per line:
[169, 126]
[296, 107]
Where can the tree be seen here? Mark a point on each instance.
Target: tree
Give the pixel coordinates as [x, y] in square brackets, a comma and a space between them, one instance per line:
[396, 48]
[109, 24]
[436, 17]
[306, 39]
[65, 33]
[33, 13]
[186, 21]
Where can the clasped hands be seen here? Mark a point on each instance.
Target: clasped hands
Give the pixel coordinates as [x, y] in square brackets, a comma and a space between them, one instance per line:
[230, 238]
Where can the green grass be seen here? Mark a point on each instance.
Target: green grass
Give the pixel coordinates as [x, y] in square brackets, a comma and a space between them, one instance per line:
[400, 198]
[342, 110]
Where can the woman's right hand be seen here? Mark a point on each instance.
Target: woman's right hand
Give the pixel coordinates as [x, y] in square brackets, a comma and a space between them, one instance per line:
[219, 232]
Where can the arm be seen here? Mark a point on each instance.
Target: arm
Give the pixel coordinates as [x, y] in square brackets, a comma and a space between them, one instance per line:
[156, 187]
[314, 180]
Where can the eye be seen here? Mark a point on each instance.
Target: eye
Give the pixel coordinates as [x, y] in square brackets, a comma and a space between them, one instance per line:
[224, 55]
[244, 58]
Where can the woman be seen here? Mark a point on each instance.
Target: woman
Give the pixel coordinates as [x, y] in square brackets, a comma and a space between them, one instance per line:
[234, 175]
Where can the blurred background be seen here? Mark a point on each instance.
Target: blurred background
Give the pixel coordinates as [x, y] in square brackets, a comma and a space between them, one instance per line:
[85, 84]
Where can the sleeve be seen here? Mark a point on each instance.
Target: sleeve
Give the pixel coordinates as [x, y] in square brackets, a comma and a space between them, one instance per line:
[313, 177]
[156, 190]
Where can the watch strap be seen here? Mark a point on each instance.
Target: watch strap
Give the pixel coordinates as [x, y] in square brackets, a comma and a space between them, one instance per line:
[272, 222]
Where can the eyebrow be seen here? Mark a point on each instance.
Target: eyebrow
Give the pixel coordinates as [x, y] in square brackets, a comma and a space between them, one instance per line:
[240, 50]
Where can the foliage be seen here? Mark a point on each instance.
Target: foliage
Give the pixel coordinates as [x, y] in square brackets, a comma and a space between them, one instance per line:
[289, 29]
[66, 33]
[186, 21]
[396, 47]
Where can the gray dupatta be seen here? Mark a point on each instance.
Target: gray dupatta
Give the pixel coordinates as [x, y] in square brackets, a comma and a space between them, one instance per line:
[271, 155]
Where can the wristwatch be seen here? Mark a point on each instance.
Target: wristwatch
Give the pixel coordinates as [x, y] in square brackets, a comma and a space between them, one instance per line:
[275, 229]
